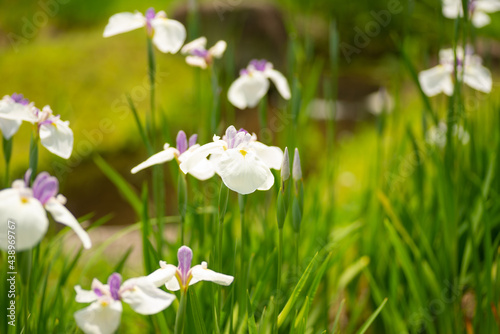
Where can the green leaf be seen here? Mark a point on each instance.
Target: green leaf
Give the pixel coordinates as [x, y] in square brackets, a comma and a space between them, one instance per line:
[369, 321]
[121, 184]
[337, 317]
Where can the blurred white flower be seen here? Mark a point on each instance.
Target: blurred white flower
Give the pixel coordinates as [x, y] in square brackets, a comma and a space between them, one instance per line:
[379, 102]
[104, 314]
[253, 84]
[26, 207]
[437, 135]
[199, 56]
[241, 161]
[478, 10]
[14, 109]
[55, 135]
[168, 35]
[202, 171]
[469, 67]
[181, 277]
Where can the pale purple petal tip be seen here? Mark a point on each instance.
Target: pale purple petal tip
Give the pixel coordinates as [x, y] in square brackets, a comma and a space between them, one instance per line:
[182, 144]
[200, 53]
[150, 14]
[19, 98]
[185, 256]
[259, 65]
[98, 292]
[285, 166]
[242, 130]
[243, 71]
[27, 178]
[45, 187]
[114, 282]
[193, 139]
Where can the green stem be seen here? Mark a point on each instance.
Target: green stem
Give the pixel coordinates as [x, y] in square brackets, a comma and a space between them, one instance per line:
[215, 116]
[182, 198]
[263, 113]
[152, 84]
[223, 199]
[278, 282]
[241, 202]
[181, 313]
[297, 242]
[7, 153]
[33, 156]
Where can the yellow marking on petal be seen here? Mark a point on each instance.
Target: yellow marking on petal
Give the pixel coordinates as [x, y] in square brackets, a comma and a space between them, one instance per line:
[243, 152]
[24, 200]
[104, 303]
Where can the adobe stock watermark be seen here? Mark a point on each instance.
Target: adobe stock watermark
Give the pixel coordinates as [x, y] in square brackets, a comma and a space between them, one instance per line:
[31, 25]
[372, 29]
[223, 6]
[11, 272]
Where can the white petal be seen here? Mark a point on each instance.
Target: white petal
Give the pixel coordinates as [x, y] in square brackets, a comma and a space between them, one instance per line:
[17, 111]
[57, 138]
[173, 284]
[280, 82]
[478, 77]
[162, 275]
[85, 296]
[201, 273]
[123, 22]
[487, 6]
[196, 61]
[169, 35]
[272, 156]
[201, 153]
[436, 80]
[203, 169]
[452, 8]
[269, 181]
[199, 43]
[156, 159]
[247, 90]
[9, 127]
[63, 216]
[480, 19]
[100, 317]
[218, 49]
[30, 219]
[242, 173]
[144, 297]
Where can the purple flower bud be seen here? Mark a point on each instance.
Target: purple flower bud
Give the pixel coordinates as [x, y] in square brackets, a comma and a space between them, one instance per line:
[296, 169]
[114, 282]
[185, 256]
[193, 139]
[182, 144]
[45, 187]
[285, 166]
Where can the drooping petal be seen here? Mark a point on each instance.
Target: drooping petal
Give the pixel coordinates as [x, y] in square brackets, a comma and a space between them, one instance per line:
[85, 296]
[173, 284]
[480, 19]
[452, 8]
[487, 6]
[57, 137]
[196, 61]
[9, 127]
[247, 90]
[144, 297]
[436, 80]
[203, 170]
[101, 317]
[478, 77]
[17, 112]
[202, 273]
[242, 171]
[161, 276]
[218, 49]
[124, 22]
[272, 156]
[156, 159]
[63, 216]
[200, 154]
[197, 44]
[268, 183]
[280, 82]
[29, 216]
[169, 35]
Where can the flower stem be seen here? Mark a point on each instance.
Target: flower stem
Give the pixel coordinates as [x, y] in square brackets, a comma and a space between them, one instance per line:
[243, 296]
[215, 117]
[182, 198]
[7, 152]
[223, 199]
[33, 156]
[278, 282]
[181, 313]
[263, 113]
